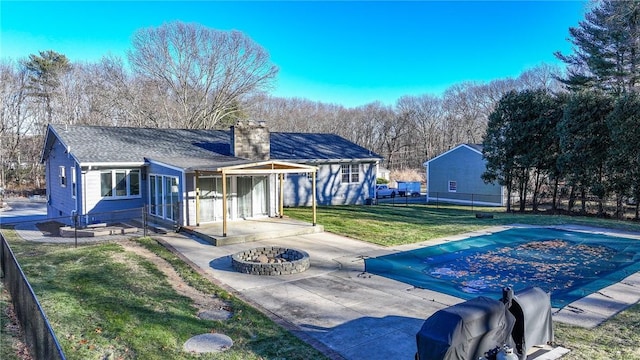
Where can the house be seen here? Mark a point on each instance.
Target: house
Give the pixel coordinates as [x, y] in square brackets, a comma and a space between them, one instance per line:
[179, 175]
[455, 176]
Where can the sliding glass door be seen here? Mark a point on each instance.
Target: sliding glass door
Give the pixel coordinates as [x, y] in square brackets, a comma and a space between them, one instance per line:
[164, 195]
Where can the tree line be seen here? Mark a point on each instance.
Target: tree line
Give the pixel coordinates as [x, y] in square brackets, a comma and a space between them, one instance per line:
[188, 76]
[584, 141]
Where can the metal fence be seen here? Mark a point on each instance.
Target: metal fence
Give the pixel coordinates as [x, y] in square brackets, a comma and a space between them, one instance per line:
[39, 335]
[606, 207]
[437, 198]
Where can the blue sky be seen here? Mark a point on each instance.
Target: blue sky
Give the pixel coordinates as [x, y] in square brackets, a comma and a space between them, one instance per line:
[348, 53]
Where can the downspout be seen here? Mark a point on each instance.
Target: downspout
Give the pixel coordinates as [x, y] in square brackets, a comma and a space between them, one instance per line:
[76, 182]
[185, 200]
[197, 188]
[313, 191]
[224, 204]
[281, 210]
[84, 195]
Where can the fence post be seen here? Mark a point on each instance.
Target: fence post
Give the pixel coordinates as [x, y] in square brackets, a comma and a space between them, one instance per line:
[75, 228]
[471, 202]
[144, 220]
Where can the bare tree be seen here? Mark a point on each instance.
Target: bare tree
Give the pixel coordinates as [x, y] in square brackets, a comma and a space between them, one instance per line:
[425, 114]
[199, 74]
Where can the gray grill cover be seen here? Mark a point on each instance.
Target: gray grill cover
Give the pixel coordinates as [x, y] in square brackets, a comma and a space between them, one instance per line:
[465, 331]
[534, 326]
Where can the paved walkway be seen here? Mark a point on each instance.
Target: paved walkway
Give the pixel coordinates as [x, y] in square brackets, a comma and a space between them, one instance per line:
[357, 315]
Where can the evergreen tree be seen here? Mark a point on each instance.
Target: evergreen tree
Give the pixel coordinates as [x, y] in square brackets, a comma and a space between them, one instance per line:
[606, 49]
[585, 140]
[45, 71]
[520, 143]
[623, 162]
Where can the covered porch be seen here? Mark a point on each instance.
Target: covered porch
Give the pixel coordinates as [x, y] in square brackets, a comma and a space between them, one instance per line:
[256, 185]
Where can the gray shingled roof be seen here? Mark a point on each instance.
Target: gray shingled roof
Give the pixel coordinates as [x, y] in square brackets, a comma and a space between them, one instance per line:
[307, 146]
[193, 148]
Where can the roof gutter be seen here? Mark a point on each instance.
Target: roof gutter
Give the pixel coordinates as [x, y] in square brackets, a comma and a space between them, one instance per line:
[324, 161]
[112, 164]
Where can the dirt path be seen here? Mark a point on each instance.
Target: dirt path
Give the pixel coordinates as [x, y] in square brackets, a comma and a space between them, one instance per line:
[203, 302]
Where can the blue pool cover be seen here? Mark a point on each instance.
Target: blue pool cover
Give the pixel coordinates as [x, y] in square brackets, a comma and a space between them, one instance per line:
[568, 264]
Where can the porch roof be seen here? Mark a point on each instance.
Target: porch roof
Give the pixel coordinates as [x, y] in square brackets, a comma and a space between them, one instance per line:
[256, 168]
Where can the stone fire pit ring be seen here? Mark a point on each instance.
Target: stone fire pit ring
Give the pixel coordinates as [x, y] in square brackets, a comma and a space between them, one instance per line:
[270, 261]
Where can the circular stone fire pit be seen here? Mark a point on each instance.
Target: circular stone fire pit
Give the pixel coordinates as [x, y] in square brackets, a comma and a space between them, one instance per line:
[270, 261]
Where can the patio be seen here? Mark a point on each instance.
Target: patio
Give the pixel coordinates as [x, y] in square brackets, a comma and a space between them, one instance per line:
[241, 231]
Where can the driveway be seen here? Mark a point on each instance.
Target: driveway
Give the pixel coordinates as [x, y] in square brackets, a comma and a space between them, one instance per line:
[23, 210]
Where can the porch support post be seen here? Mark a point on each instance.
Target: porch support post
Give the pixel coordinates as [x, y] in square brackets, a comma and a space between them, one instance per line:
[281, 195]
[224, 204]
[313, 194]
[197, 198]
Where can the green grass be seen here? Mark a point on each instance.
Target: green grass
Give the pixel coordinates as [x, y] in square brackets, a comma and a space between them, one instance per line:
[389, 225]
[617, 338]
[106, 303]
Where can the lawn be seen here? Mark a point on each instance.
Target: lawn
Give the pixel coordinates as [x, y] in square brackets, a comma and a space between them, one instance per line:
[617, 338]
[105, 302]
[405, 224]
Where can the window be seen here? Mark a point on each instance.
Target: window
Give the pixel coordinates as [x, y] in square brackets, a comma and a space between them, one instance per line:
[307, 175]
[453, 186]
[73, 182]
[120, 183]
[63, 176]
[350, 173]
[164, 195]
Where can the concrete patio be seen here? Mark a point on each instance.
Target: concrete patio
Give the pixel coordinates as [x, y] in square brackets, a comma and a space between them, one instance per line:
[241, 231]
[335, 305]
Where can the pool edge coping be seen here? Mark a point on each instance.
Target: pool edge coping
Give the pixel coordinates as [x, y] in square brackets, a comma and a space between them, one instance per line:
[587, 312]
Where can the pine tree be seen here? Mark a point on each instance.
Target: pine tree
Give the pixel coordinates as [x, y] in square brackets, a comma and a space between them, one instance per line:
[606, 49]
[45, 72]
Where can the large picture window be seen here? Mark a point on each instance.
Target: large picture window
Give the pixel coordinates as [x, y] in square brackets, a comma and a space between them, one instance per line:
[350, 173]
[120, 183]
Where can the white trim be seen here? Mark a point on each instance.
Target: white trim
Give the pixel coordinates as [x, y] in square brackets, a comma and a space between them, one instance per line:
[426, 163]
[91, 165]
[62, 174]
[74, 183]
[163, 191]
[351, 173]
[65, 146]
[184, 198]
[455, 188]
[127, 175]
[165, 165]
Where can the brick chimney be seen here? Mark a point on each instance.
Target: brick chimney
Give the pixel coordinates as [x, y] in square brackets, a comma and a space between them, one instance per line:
[250, 140]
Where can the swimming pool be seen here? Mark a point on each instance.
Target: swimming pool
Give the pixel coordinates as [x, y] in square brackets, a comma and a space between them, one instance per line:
[568, 264]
